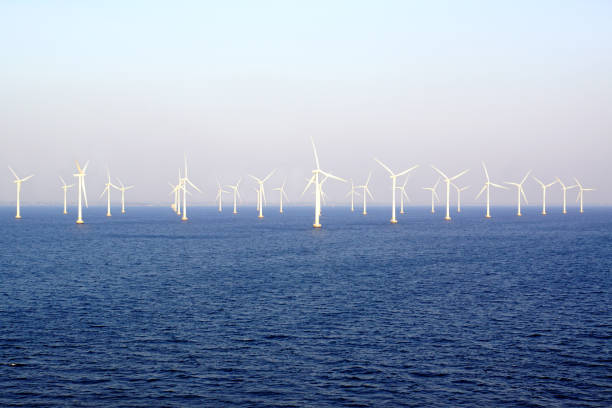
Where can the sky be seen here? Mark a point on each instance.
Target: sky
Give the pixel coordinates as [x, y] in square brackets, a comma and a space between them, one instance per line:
[239, 87]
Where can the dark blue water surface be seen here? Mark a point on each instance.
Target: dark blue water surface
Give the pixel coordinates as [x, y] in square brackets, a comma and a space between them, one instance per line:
[230, 310]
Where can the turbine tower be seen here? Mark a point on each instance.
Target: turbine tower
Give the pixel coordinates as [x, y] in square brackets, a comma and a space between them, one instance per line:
[18, 181]
[281, 192]
[366, 191]
[82, 191]
[520, 192]
[459, 190]
[434, 194]
[219, 197]
[403, 194]
[448, 181]
[236, 193]
[544, 187]
[107, 190]
[184, 181]
[394, 177]
[315, 179]
[123, 189]
[487, 186]
[565, 188]
[352, 194]
[65, 188]
[261, 193]
[581, 193]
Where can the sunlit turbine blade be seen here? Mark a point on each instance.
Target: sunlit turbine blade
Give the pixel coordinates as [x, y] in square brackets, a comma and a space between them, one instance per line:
[192, 185]
[369, 177]
[436, 195]
[268, 176]
[332, 176]
[577, 182]
[499, 186]
[439, 171]
[314, 149]
[384, 166]
[460, 174]
[27, 178]
[481, 191]
[538, 180]
[85, 167]
[525, 178]
[256, 179]
[14, 174]
[63, 182]
[523, 194]
[78, 167]
[407, 171]
[312, 179]
[103, 191]
[485, 170]
[84, 191]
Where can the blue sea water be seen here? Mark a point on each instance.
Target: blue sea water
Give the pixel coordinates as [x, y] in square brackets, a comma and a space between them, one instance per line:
[230, 310]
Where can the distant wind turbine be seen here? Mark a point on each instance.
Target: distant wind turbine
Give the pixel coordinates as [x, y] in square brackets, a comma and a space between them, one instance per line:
[261, 194]
[236, 194]
[352, 193]
[565, 188]
[581, 191]
[459, 190]
[184, 182]
[107, 190]
[487, 186]
[65, 188]
[281, 192]
[520, 192]
[448, 181]
[394, 177]
[123, 189]
[366, 192]
[434, 194]
[544, 187]
[80, 175]
[18, 181]
[403, 194]
[220, 192]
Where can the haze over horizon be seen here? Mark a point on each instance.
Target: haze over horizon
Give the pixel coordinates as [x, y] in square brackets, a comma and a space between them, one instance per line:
[240, 88]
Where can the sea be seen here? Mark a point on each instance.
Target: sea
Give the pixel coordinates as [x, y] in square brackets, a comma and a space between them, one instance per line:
[224, 310]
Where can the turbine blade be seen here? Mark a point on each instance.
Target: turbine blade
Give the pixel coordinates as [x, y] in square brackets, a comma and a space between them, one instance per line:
[192, 185]
[333, 177]
[406, 171]
[27, 178]
[314, 149]
[460, 174]
[525, 178]
[308, 185]
[256, 179]
[85, 167]
[13, 171]
[481, 191]
[499, 186]
[538, 180]
[523, 194]
[78, 167]
[268, 176]
[63, 182]
[84, 191]
[369, 177]
[385, 167]
[439, 171]
[485, 170]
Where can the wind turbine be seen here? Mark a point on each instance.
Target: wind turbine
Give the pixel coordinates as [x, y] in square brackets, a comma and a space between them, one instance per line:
[261, 194]
[487, 186]
[520, 191]
[581, 193]
[236, 193]
[459, 190]
[544, 187]
[352, 194]
[123, 189]
[315, 179]
[394, 177]
[178, 188]
[82, 191]
[448, 181]
[18, 181]
[366, 191]
[184, 181]
[65, 188]
[175, 191]
[565, 188]
[281, 192]
[220, 192]
[434, 194]
[107, 191]
[403, 194]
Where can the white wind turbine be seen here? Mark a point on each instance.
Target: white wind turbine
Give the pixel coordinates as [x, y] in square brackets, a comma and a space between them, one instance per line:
[403, 194]
[565, 188]
[394, 177]
[352, 194]
[448, 181]
[236, 193]
[487, 186]
[434, 194]
[281, 192]
[261, 193]
[65, 188]
[220, 192]
[82, 191]
[544, 187]
[184, 181]
[123, 189]
[107, 190]
[366, 191]
[520, 192]
[18, 181]
[175, 190]
[315, 179]
[581, 193]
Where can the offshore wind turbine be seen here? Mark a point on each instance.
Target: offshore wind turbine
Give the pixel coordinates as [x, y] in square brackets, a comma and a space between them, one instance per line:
[487, 186]
[107, 190]
[581, 193]
[80, 175]
[448, 181]
[459, 190]
[394, 177]
[434, 194]
[281, 192]
[565, 188]
[184, 182]
[65, 188]
[220, 192]
[236, 193]
[315, 179]
[175, 191]
[544, 187]
[123, 189]
[18, 181]
[520, 192]
[352, 194]
[403, 194]
[366, 191]
[261, 194]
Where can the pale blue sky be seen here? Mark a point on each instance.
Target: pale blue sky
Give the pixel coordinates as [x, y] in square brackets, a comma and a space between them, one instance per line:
[240, 86]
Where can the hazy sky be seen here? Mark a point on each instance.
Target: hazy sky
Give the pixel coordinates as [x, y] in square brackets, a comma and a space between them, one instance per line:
[241, 86]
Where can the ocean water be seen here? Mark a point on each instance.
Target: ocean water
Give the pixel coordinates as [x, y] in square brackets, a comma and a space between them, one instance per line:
[229, 310]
